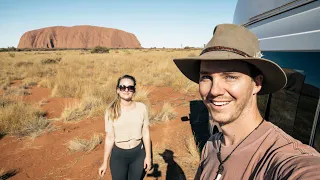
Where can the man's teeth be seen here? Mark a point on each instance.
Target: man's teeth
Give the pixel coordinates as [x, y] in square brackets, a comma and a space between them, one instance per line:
[220, 103]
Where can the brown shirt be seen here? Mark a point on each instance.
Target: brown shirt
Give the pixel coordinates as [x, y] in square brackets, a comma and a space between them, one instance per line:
[268, 153]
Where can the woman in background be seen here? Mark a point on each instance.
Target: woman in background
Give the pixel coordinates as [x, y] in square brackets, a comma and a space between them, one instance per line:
[128, 137]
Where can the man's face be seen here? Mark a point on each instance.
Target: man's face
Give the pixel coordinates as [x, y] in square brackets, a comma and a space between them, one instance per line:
[227, 89]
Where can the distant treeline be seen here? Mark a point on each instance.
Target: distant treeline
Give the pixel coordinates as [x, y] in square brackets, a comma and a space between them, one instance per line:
[11, 49]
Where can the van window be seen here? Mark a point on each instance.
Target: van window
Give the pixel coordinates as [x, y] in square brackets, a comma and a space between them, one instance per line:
[294, 109]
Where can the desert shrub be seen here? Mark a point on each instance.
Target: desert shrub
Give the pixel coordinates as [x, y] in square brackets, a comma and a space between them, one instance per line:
[16, 91]
[21, 119]
[100, 49]
[78, 111]
[23, 64]
[11, 48]
[12, 54]
[31, 81]
[51, 61]
[4, 83]
[78, 144]
[8, 49]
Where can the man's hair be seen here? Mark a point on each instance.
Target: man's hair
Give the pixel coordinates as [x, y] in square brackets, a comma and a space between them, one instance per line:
[254, 71]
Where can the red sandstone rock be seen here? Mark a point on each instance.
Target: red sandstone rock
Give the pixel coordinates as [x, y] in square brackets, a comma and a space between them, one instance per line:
[78, 37]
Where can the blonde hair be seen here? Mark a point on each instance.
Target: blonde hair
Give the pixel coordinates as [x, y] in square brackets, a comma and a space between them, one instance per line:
[114, 110]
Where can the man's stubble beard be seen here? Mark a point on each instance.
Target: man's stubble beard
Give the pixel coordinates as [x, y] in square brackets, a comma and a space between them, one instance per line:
[239, 111]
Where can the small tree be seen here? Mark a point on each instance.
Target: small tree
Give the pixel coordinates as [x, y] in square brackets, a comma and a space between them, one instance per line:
[12, 48]
[100, 49]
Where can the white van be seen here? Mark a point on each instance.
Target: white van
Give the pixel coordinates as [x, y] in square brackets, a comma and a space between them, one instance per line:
[289, 34]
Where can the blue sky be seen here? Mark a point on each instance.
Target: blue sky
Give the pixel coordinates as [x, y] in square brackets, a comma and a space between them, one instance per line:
[155, 23]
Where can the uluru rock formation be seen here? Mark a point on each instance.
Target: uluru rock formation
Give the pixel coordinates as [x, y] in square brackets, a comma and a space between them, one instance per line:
[78, 37]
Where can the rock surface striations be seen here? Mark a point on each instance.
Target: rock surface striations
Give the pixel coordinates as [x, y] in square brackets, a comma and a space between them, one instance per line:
[78, 37]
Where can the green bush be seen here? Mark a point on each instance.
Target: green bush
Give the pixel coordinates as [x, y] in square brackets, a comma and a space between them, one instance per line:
[100, 49]
[8, 49]
[188, 47]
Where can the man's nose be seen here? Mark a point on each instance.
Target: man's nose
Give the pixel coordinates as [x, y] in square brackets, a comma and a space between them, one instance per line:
[217, 88]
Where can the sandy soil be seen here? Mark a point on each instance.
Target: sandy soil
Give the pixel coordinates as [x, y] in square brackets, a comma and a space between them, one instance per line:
[47, 156]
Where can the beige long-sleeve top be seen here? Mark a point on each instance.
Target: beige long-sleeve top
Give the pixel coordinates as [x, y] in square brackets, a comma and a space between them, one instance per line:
[268, 153]
[130, 123]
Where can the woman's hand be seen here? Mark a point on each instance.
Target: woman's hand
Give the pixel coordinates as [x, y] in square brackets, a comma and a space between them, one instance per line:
[147, 164]
[102, 169]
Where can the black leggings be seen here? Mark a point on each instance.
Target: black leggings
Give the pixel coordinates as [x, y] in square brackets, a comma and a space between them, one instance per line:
[127, 164]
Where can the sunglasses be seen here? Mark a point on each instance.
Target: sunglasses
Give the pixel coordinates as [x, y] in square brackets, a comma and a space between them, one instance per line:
[130, 88]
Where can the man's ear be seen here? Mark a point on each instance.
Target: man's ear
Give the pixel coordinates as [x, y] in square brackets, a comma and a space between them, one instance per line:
[258, 84]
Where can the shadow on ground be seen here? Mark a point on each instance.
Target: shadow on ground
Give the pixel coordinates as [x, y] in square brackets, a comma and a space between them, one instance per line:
[9, 174]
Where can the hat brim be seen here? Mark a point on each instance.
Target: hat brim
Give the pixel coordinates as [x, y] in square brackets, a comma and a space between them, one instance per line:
[274, 78]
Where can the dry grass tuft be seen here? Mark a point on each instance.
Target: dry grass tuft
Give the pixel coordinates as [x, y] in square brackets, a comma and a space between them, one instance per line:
[77, 111]
[2, 172]
[43, 102]
[51, 61]
[191, 148]
[31, 81]
[68, 86]
[46, 82]
[4, 83]
[36, 134]
[183, 85]
[84, 145]
[23, 64]
[165, 114]
[191, 55]
[142, 94]
[19, 118]
[12, 54]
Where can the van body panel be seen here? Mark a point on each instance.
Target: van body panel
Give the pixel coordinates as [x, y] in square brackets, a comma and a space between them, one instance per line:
[289, 34]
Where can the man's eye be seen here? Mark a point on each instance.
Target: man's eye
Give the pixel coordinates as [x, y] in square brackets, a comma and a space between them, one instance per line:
[231, 77]
[206, 78]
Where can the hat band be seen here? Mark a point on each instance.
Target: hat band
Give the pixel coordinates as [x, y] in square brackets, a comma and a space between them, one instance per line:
[223, 48]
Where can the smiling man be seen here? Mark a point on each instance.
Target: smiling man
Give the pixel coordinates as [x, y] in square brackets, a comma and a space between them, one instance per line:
[231, 73]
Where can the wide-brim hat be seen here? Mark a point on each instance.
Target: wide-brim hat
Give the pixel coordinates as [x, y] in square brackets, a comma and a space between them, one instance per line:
[235, 42]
